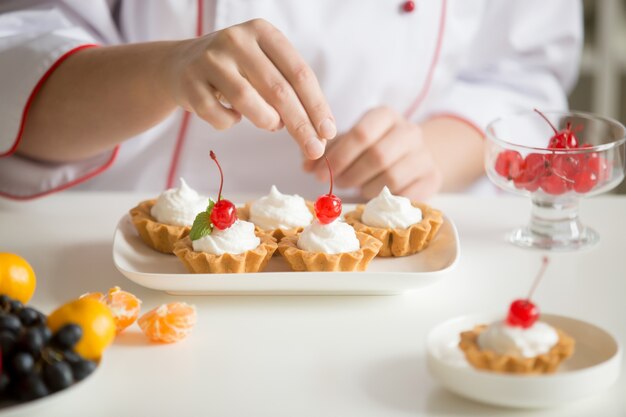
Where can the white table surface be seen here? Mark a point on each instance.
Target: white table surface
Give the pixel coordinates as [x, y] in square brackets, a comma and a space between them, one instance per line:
[314, 355]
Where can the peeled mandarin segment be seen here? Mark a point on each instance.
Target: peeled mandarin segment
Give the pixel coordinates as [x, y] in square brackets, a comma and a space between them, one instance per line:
[96, 321]
[124, 306]
[169, 323]
[17, 278]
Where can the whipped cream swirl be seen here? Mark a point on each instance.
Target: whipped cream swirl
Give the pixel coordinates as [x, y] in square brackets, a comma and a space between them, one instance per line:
[236, 239]
[335, 237]
[280, 211]
[178, 206]
[505, 339]
[390, 211]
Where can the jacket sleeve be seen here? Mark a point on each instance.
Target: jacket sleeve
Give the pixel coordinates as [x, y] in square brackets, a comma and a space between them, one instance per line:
[525, 54]
[33, 43]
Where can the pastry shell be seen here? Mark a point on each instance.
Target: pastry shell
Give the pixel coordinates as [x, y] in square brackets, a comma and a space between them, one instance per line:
[400, 242]
[301, 260]
[488, 360]
[243, 213]
[159, 236]
[253, 260]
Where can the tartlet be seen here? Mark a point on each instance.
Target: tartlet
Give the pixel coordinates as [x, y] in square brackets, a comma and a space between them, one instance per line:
[489, 360]
[253, 260]
[158, 236]
[243, 213]
[302, 260]
[398, 241]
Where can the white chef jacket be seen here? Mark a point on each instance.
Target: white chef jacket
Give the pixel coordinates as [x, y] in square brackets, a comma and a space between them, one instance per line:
[470, 59]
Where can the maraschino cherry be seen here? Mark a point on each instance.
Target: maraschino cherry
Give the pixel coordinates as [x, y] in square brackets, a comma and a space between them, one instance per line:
[523, 312]
[224, 213]
[328, 206]
[564, 139]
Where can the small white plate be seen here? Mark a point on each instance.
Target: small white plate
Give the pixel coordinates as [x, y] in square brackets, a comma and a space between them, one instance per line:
[593, 368]
[155, 270]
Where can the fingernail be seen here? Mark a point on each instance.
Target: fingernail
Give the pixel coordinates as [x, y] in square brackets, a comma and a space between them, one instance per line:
[314, 148]
[328, 129]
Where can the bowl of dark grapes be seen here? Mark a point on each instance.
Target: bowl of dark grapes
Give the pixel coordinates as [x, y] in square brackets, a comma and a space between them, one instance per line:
[555, 159]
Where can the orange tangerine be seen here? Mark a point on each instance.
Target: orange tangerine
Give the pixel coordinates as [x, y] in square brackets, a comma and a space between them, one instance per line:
[17, 278]
[168, 323]
[124, 306]
[96, 320]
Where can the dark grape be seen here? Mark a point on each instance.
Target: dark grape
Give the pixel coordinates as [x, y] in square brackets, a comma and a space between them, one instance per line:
[10, 322]
[28, 316]
[45, 331]
[67, 336]
[5, 300]
[7, 342]
[31, 387]
[22, 363]
[16, 306]
[83, 368]
[58, 375]
[71, 356]
[32, 341]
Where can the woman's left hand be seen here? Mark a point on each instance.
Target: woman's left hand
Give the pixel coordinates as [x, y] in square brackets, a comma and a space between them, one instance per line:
[383, 148]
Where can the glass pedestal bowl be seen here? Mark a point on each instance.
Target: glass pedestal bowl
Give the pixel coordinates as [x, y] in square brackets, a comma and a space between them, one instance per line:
[520, 159]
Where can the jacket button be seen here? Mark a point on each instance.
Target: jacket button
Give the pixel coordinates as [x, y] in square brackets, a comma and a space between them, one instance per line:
[408, 6]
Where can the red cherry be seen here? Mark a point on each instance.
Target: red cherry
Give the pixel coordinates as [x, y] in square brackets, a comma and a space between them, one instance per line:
[564, 139]
[585, 180]
[509, 164]
[522, 313]
[600, 167]
[328, 206]
[224, 213]
[553, 184]
[565, 166]
[535, 166]
[408, 6]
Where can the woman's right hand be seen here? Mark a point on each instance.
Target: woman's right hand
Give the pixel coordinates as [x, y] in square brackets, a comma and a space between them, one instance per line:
[251, 69]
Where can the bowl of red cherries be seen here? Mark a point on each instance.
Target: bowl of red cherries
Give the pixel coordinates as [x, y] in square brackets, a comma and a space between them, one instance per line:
[555, 158]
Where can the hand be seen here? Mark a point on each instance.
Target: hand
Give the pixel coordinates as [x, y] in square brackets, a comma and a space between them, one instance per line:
[382, 149]
[251, 69]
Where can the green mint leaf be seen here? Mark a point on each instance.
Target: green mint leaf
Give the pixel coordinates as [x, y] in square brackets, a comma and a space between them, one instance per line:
[201, 226]
[210, 208]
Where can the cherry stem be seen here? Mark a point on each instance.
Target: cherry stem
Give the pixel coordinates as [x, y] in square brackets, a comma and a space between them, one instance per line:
[544, 264]
[331, 175]
[213, 157]
[546, 119]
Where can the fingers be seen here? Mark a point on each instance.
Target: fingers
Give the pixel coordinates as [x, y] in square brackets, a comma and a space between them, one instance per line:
[277, 91]
[372, 127]
[203, 102]
[242, 96]
[302, 80]
[381, 156]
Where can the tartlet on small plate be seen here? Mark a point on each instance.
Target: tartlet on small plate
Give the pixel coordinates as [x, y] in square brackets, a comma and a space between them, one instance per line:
[302, 260]
[158, 236]
[491, 361]
[397, 241]
[253, 260]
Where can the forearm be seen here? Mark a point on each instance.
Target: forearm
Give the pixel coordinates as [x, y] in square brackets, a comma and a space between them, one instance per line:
[457, 149]
[96, 99]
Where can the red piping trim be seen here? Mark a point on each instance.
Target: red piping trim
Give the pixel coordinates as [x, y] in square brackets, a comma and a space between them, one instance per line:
[182, 131]
[70, 184]
[431, 71]
[461, 119]
[34, 92]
